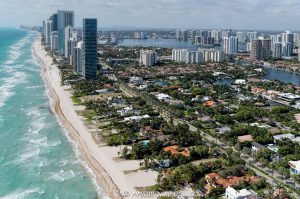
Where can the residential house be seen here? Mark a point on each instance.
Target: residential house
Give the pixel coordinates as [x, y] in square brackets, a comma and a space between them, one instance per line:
[245, 138]
[231, 193]
[175, 150]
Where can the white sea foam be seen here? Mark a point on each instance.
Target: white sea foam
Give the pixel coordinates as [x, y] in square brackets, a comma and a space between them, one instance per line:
[8, 84]
[33, 87]
[62, 175]
[22, 194]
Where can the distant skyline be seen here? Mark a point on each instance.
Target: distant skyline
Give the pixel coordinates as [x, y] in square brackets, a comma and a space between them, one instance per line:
[219, 14]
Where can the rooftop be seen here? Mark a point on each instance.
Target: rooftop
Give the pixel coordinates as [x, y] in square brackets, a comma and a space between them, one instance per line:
[174, 150]
[245, 138]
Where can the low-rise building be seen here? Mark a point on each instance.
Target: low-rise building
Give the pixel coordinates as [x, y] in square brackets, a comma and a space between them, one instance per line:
[231, 193]
[174, 150]
[136, 118]
[245, 138]
[284, 136]
[163, 97]
[136, 80]
[294, 167]
[223, 129]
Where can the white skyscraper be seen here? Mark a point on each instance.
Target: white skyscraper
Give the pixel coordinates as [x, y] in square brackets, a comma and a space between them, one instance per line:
[287, 43]
[211, 55]
[231, 45]
[217, 35]
[148, 57]
[252, 36]
[186, 56]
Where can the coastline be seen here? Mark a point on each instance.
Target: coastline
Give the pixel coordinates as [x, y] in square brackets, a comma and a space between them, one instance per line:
[109, 173]
[102, 177]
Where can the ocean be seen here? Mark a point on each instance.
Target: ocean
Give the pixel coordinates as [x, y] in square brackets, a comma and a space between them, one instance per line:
[37, 160]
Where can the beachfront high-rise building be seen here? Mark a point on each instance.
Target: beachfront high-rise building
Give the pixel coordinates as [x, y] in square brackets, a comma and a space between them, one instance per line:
[64, 19]
[68, 35]
[54, 40]
[260, 49]
[48, 31]
[71, 48]
[89, 49]
[231, 45]
[53, 18]
[148, 57]
[44, 29]
[77, 65]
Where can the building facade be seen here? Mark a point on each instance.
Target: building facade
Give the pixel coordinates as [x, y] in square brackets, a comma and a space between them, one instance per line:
[231, 45]
[89, 49]
[260, 49]
[148, 57]
[64, 19]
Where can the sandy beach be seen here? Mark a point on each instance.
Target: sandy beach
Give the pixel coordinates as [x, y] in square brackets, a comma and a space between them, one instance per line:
[101, 159]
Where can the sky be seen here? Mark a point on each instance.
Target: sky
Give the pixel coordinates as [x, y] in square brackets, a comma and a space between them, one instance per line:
[198, 14]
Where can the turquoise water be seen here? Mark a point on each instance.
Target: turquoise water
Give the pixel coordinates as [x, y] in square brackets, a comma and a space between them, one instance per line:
[36, 158]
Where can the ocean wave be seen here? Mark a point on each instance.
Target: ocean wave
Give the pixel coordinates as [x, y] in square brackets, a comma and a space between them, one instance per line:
[33, 87]
[22, 194]
[62, 175]
[43, 142]
[8, 84]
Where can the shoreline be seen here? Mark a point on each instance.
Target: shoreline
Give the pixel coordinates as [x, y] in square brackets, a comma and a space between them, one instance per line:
[103, 179]
[118, 179]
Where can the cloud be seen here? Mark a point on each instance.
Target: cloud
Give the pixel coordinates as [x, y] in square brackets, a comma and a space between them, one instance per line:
[244, 14]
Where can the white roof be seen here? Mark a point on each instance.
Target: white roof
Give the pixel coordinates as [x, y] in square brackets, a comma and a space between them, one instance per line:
[282, 136]
[297, 139]
[289, 96]
[240, 193]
